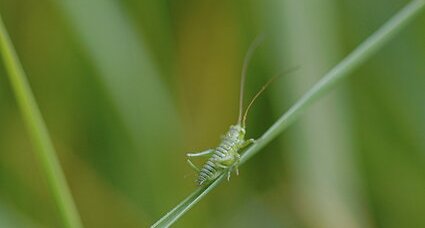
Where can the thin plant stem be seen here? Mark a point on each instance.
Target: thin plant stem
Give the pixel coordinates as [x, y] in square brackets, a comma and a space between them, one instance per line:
[38, 132]
[361, 54]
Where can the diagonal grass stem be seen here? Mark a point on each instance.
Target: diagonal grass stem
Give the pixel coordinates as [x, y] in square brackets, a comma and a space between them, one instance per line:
[38, 133]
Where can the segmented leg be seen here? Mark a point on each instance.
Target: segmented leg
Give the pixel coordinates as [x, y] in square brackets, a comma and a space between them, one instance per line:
[238, 156]
[230, 170]
[203, 153]
[193, 166]
[234, 167]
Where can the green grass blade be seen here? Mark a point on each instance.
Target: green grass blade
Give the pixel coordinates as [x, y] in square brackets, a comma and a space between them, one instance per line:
[187, 204]
[38, 133]
[322, 168]
[125, 65]
[362, 53]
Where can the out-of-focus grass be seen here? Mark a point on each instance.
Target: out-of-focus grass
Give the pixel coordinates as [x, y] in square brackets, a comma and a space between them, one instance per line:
[390, 121]
[9, 217]
[126, 69]
[46, 155]
[324, 172]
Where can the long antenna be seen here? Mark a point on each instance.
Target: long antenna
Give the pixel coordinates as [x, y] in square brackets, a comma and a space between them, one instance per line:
[264, 88]
[246, 61]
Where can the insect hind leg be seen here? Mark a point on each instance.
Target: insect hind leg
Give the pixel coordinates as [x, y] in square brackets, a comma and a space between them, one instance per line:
[193, 166]
[203, 153]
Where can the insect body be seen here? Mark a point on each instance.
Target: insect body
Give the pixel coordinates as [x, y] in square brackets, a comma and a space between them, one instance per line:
[226, 156]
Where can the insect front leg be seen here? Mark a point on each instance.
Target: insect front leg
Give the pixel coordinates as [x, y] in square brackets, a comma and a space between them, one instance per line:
[203, 153]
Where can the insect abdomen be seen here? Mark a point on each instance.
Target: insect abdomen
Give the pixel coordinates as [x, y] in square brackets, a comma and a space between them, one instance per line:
[209, 171]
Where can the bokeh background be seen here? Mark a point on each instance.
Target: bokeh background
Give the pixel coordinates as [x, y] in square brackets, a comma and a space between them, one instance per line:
[128, 87]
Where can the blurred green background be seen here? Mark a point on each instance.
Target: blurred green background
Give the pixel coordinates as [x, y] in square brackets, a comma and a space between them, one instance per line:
[128, 87]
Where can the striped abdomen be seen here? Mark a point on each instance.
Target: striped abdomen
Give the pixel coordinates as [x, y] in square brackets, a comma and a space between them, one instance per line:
[210, 171]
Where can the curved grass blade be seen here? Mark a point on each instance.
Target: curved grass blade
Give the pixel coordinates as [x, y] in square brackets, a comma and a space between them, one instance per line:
[362, 53]
[38, 132]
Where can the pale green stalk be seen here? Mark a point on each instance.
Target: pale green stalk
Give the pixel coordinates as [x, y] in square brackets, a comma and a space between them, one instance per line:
[320, 155]
[362, 53]
[38, 132]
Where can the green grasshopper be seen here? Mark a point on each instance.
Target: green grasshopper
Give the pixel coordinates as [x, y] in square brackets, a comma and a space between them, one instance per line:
[226, 157]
